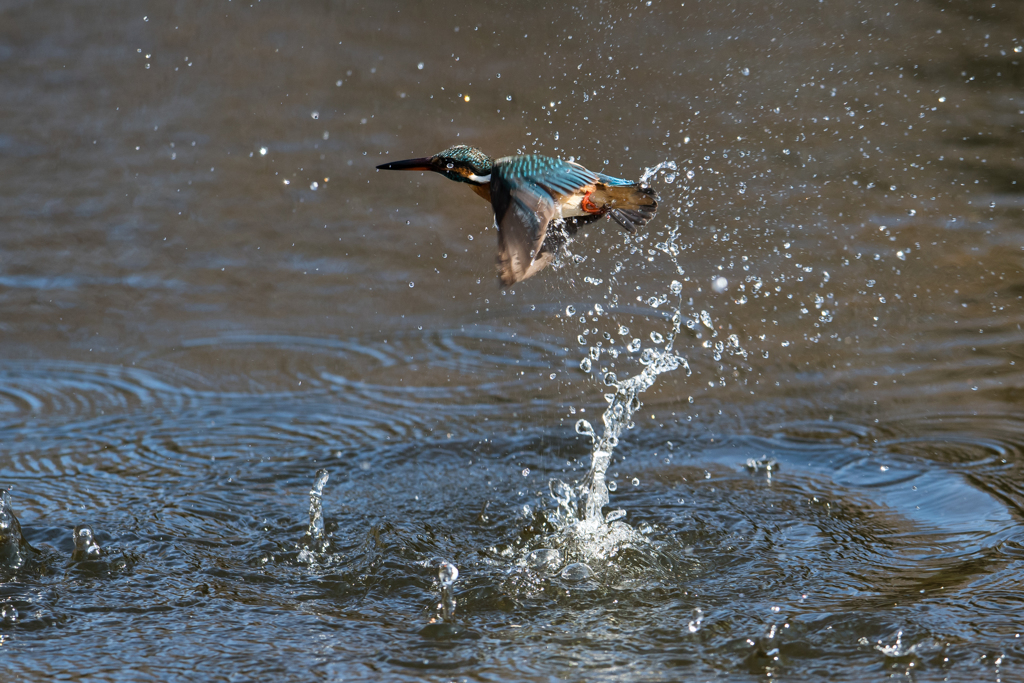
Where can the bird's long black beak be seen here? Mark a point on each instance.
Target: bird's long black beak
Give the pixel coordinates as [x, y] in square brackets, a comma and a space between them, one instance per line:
[422, 164]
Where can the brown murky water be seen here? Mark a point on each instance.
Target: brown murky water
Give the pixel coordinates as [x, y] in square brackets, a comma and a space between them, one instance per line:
[207, 293]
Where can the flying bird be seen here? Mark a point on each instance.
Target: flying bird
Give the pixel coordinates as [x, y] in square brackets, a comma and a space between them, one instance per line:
[538, 201]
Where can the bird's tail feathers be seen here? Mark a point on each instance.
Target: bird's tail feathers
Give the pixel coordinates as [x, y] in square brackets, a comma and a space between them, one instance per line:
[630, 205]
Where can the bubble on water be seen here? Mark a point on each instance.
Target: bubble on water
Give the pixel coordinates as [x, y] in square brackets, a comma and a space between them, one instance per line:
[612, 485]
[577, 571]
[585, 365]
[544, 559]
[719, 284]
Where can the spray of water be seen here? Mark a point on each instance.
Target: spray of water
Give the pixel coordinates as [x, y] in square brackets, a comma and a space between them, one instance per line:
[314, 544]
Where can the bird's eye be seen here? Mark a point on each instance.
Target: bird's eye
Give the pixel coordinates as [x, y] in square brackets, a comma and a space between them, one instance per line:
[450, 165]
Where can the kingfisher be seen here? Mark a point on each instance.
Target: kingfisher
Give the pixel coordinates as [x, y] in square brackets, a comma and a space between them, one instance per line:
[538, 201]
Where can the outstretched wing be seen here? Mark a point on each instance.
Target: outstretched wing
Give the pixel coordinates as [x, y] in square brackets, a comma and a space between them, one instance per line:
[525, 192]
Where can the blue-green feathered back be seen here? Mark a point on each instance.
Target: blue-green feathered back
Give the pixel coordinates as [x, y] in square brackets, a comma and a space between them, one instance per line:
[555, 175]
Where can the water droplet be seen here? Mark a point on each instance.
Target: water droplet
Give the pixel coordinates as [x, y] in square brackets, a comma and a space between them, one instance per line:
[552, 376]
[411, 285]
[314, 185]
[570, 310]
[315, 115]
[635, 482]
[623, 330]
[526, 471]
[612, 486]
[263, 151]
[610, 379]
[582, 340]
[585, 428]
[420, 66]
[585, 365]
[656, 337]
[634, 346]
[720, 284]
[509, 98]
[676, 287]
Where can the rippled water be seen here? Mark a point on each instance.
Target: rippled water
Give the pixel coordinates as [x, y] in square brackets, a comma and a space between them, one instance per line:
[207, 295]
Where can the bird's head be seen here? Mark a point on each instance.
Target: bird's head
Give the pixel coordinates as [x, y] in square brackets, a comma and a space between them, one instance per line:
[461, 163]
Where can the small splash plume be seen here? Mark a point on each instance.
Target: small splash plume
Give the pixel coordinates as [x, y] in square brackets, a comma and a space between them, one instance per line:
[447, 575]
[14, 549]
[315, 543]
[86, 547]
[617, 417]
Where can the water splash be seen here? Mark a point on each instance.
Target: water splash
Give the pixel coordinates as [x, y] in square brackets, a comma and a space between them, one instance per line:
[314, 543]
[447, 574]
[668, 169]
[618, 417]
[86, 547]
[14, 549]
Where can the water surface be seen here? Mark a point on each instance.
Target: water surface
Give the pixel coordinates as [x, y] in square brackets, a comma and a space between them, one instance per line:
[207, 294]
